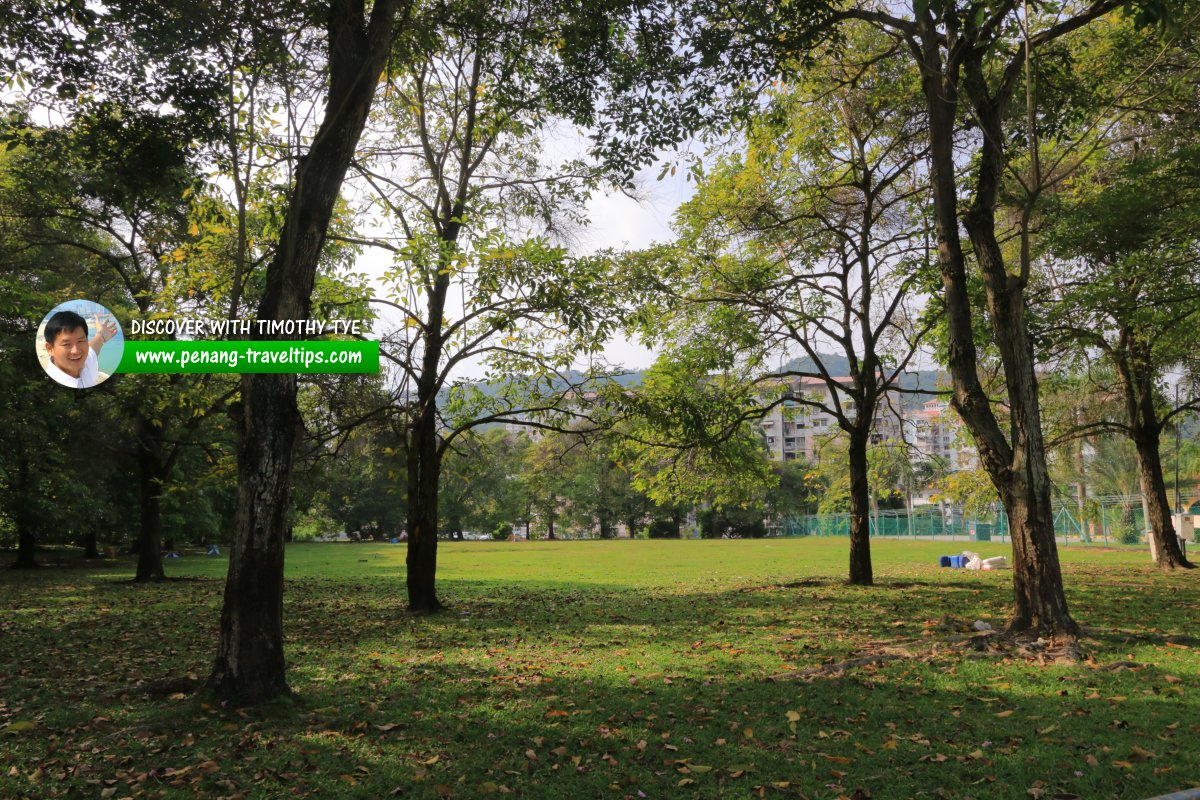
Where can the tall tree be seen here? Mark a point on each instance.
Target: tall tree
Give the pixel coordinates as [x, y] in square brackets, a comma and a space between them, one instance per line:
[477, 214]
[250, 666]
[1128, 288]
[973, 59]
[811, 240]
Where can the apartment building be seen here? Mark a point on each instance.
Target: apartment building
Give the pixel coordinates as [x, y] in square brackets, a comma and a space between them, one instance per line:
[795, 429]
[935, 431]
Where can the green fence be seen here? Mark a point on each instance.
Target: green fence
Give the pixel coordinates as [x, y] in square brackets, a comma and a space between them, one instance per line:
[1104, 520]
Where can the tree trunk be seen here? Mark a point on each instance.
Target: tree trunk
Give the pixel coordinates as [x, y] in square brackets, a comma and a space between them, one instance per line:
[151, 478]
[1137, 384]
[250, 667]
[26, 549]
[90, 546]
[1015, 461]
[24, 516]
[605, 529]
[550, 525]
[1167, 552]
[423, 470]
[1037, 576]
[861, 573]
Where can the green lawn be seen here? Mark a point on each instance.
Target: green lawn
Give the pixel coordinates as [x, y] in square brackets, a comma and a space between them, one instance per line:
[606, 670]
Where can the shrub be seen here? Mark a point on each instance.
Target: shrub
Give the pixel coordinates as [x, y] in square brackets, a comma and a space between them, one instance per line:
[1129, 534]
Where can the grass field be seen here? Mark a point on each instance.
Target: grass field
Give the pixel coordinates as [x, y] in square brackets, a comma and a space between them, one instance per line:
[607, 670]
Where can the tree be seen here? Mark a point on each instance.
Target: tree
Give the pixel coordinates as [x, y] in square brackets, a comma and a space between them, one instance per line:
[688, 439]
[1127, 287]
[811, 239]
[480, 483]
[973, 59]
[47, 491]
[455, 168]
[250, 666]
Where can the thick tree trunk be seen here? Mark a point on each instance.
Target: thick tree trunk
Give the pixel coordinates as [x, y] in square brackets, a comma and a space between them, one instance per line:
[1037, 575]
[1167, 552]
[151, 478]
[24, 516]
[861, 573]
[91, 548]
[250, 667]
[550, 526]
[423, 473]
[605, 529]
[1015, 461]
[1137, 384]
[1024, 482]
[26, 549]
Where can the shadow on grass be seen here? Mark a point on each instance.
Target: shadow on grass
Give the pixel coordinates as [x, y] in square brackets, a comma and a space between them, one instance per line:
[663, 691]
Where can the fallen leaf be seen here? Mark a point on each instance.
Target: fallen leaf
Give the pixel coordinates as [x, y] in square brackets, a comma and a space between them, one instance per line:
[836, 759]
[1141, 753]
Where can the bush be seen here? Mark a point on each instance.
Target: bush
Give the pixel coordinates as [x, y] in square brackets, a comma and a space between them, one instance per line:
[1129, 535]
[503, 532]
[310, 525]
[663, 529]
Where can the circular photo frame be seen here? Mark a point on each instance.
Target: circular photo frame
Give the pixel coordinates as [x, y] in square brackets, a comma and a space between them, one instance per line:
[80, 344]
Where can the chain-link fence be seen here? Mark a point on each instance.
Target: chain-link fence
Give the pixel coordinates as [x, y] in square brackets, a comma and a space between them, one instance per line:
[1098, 520]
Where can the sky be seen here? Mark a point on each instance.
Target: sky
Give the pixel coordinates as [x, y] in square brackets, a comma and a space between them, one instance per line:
[616, 221]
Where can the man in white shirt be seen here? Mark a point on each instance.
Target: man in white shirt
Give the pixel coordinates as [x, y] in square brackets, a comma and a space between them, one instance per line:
[72, 355]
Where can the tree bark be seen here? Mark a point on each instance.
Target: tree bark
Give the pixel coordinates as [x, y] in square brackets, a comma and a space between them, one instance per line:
[24, 516]
[1154, 489]
[151, 476]
[861, 573]
[1145, 429]
[90, 545]
[423, 472]
[1015, 462]
[424, 449]
[250, 667]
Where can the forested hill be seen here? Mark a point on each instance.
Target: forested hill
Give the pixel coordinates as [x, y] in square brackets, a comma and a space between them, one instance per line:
[926, 380]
